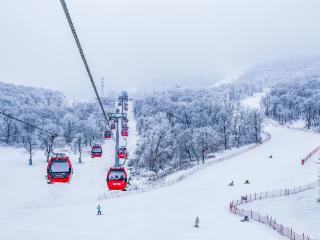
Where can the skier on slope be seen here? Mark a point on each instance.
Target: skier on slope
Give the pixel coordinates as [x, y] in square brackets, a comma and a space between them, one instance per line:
[247, 182]
[245, 219]
[230, 184]
[99, 210]
[196, 223]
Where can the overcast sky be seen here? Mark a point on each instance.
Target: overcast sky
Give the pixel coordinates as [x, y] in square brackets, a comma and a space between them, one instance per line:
[138, 44]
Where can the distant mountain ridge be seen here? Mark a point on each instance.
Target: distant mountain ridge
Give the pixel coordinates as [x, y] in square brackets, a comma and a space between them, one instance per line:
[283, 71]
[20, 96]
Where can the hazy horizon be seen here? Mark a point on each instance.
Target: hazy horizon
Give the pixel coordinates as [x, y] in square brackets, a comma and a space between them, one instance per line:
[149, 44]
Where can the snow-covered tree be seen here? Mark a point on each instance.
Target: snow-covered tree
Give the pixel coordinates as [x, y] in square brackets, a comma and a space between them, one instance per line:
[196, 122]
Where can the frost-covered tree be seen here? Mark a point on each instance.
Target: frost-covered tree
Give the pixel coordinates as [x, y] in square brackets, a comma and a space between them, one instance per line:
[78, 145]
[155, 145]
[206, 140]
[69, 126]
[292, 101]
[30, 142]
[197, 122]
[47, 144]
[255, 122]
[49, 110]
[225, 123]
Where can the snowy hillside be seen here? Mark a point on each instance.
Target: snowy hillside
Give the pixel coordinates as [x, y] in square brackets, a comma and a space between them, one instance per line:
[254, 101]
[23, 96]
[191, 120]
[272, 73]
[34, 210]
[299, 211]
[48, 110]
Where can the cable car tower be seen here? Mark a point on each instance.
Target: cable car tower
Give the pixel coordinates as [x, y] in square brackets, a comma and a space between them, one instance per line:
[123, 98]
[115, 117]
[119, 115]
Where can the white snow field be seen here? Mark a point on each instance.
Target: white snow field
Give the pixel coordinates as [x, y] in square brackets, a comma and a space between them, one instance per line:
[254, 101]
[31, 209]
[300, 211]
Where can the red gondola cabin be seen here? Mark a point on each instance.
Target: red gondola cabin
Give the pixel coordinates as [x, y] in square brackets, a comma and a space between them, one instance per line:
[124, 133]
[59, 169]
[117, 179]
[96, 152]
[108, 134]
[122, 152]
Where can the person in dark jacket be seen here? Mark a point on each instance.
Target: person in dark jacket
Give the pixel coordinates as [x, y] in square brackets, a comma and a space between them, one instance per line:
[196, 223]
[245, 219]
[99, 210]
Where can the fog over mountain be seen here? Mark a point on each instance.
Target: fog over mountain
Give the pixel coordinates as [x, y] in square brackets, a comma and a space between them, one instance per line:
[145, 44]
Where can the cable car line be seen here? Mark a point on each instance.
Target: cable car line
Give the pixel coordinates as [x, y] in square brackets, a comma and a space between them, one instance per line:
[53, 134]
[124, 163]
[76, 38]
[116, 176]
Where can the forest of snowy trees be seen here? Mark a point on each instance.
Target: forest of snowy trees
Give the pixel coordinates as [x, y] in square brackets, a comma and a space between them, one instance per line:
[180, 127]
[291, 101]
[77, 124]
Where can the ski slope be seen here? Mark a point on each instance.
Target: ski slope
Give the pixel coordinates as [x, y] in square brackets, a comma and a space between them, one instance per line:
[254, 101]
[300, 211]
[31, 209]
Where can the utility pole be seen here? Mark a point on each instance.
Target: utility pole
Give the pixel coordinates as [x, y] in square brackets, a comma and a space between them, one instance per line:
[102, 86]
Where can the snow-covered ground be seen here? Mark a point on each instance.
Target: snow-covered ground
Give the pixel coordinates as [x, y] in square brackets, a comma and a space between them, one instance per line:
[31, 209]
[300, 125]
[300, 211]
[28, 182]
[254, 101]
